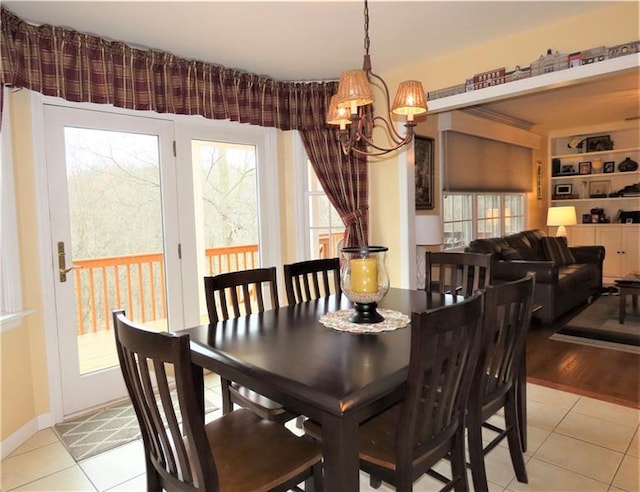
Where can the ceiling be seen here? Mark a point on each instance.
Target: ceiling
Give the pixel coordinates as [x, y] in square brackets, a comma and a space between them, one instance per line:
[317, 40]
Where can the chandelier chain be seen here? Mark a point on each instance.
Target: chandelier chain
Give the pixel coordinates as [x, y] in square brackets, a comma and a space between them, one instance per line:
[367, 41]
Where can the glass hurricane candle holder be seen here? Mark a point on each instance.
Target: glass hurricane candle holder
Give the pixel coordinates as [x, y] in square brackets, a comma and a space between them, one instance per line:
[364, 281]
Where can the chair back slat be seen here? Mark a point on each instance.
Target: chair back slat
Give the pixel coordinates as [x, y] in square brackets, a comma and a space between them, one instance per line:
[457, 273]
[312, 279]
[175, 442]
[445, 344]
[234, 294]
[507, 318]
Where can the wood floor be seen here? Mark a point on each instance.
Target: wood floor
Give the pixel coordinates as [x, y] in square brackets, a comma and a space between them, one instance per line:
[606, 374]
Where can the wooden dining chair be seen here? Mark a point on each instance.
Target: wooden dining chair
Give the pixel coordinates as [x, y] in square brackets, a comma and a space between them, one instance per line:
[507, 316]
[234, 294]
[457, 273]
[405, 441]
[181, 452]
[312, 279]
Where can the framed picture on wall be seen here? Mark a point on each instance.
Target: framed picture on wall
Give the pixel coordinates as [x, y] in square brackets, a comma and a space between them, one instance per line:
[424, 172]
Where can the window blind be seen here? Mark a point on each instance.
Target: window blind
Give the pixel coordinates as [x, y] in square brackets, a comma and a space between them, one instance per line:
[479, 164]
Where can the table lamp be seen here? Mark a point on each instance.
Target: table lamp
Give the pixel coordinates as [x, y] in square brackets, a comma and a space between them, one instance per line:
[428, 233]
[561, 217]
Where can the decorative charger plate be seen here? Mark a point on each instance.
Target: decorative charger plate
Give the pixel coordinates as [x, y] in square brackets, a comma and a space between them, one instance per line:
[339, 320]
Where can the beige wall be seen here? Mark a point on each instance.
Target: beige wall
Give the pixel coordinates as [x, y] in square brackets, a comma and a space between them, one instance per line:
[23, 367]
[23, 373]
[611, 25]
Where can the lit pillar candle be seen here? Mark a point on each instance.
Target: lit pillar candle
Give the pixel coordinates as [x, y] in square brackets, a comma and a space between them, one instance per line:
[364, 275]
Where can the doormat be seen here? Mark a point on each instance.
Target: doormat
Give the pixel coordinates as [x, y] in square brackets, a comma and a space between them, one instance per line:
[597, 325]
[104, 429]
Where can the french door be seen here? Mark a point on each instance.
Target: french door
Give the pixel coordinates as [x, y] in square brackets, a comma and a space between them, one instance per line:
[113, 197]
[136, 228]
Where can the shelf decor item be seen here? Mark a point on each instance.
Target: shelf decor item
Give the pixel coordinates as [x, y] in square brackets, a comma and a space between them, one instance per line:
[599, 143]
[599, 189]
[627, 165]
[609, 167]
[585, 167]
[596, 166]
[562, 189]
[364, 281]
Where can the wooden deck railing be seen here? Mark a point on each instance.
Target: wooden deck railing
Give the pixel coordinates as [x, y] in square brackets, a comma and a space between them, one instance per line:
[137, 283]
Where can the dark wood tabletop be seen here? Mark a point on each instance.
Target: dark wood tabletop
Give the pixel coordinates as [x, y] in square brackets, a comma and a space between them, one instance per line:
[334, 377]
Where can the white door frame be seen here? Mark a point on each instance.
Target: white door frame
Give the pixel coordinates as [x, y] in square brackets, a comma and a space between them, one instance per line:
[268, 202]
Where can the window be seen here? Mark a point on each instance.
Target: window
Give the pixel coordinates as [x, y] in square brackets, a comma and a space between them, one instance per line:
[325, 228]
[469, 216]
[10, 288]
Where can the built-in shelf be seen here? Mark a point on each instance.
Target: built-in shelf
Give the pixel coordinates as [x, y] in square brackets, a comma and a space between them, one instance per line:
[599, 176]
[586, 155]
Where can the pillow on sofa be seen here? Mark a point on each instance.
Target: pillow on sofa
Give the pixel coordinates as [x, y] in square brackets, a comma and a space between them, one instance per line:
[510, 254]
[557, 250]
[521, 244]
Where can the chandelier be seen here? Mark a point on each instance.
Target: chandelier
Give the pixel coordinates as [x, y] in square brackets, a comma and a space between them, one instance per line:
[351, 109]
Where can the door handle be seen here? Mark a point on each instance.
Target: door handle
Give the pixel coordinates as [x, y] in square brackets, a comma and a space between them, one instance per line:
[62, 265]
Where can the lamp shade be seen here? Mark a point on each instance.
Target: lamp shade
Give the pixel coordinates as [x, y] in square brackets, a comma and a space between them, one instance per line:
[561, 217]
[410, 99]
[354, 89]
[428, 229]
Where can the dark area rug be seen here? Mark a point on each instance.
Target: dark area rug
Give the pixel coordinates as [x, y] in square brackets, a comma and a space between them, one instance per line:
[104, 429]
[598, 325]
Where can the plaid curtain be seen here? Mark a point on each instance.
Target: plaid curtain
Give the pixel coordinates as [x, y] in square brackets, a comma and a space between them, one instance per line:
[344, 180]
[79, 67]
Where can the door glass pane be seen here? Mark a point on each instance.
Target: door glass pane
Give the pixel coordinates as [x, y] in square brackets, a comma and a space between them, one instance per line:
[116, 233]
[226, 192]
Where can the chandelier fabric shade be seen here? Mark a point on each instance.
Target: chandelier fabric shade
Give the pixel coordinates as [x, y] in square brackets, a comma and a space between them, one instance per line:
[337, 115]
[410, 99]
[355, 93]
[354, 90]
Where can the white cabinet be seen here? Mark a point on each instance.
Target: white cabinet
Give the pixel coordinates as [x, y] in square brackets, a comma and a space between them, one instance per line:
[578, 176]
[622, 250]
[621, 243]
[581, 235]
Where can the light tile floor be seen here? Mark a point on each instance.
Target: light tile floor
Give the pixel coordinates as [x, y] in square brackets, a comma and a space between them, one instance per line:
[575, 444]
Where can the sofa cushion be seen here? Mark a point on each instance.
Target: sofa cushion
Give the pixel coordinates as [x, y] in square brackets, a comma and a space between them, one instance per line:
[577, 277]
[557, 250]
[534, 236]
[510, 254]
[523, 246]
[492, 245]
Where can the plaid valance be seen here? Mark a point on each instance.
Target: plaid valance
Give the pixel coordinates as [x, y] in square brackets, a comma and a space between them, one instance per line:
[79, 67]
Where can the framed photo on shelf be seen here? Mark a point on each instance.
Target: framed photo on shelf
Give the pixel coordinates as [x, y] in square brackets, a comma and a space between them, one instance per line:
[424, 172]
[599, 143]
[562, 189]
[609, 167]
[599, 189]
[584, 167]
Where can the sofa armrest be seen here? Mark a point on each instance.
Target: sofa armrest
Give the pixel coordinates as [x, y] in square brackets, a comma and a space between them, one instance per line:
[588, 254]
[546, 272]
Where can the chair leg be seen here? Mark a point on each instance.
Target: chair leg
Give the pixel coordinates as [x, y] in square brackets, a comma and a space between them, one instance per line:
[153, 477]
[513, 437]
[476, 454]
[315, 483]
[459, 463]
[374, 482]
[227, 406]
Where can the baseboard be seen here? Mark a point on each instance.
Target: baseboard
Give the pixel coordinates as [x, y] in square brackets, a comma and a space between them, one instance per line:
[15, 440]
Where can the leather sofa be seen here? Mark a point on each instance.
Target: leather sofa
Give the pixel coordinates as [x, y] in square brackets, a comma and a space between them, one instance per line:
[565, 276]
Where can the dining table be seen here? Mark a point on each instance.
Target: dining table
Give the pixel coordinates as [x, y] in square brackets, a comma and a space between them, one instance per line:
[337, 378]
